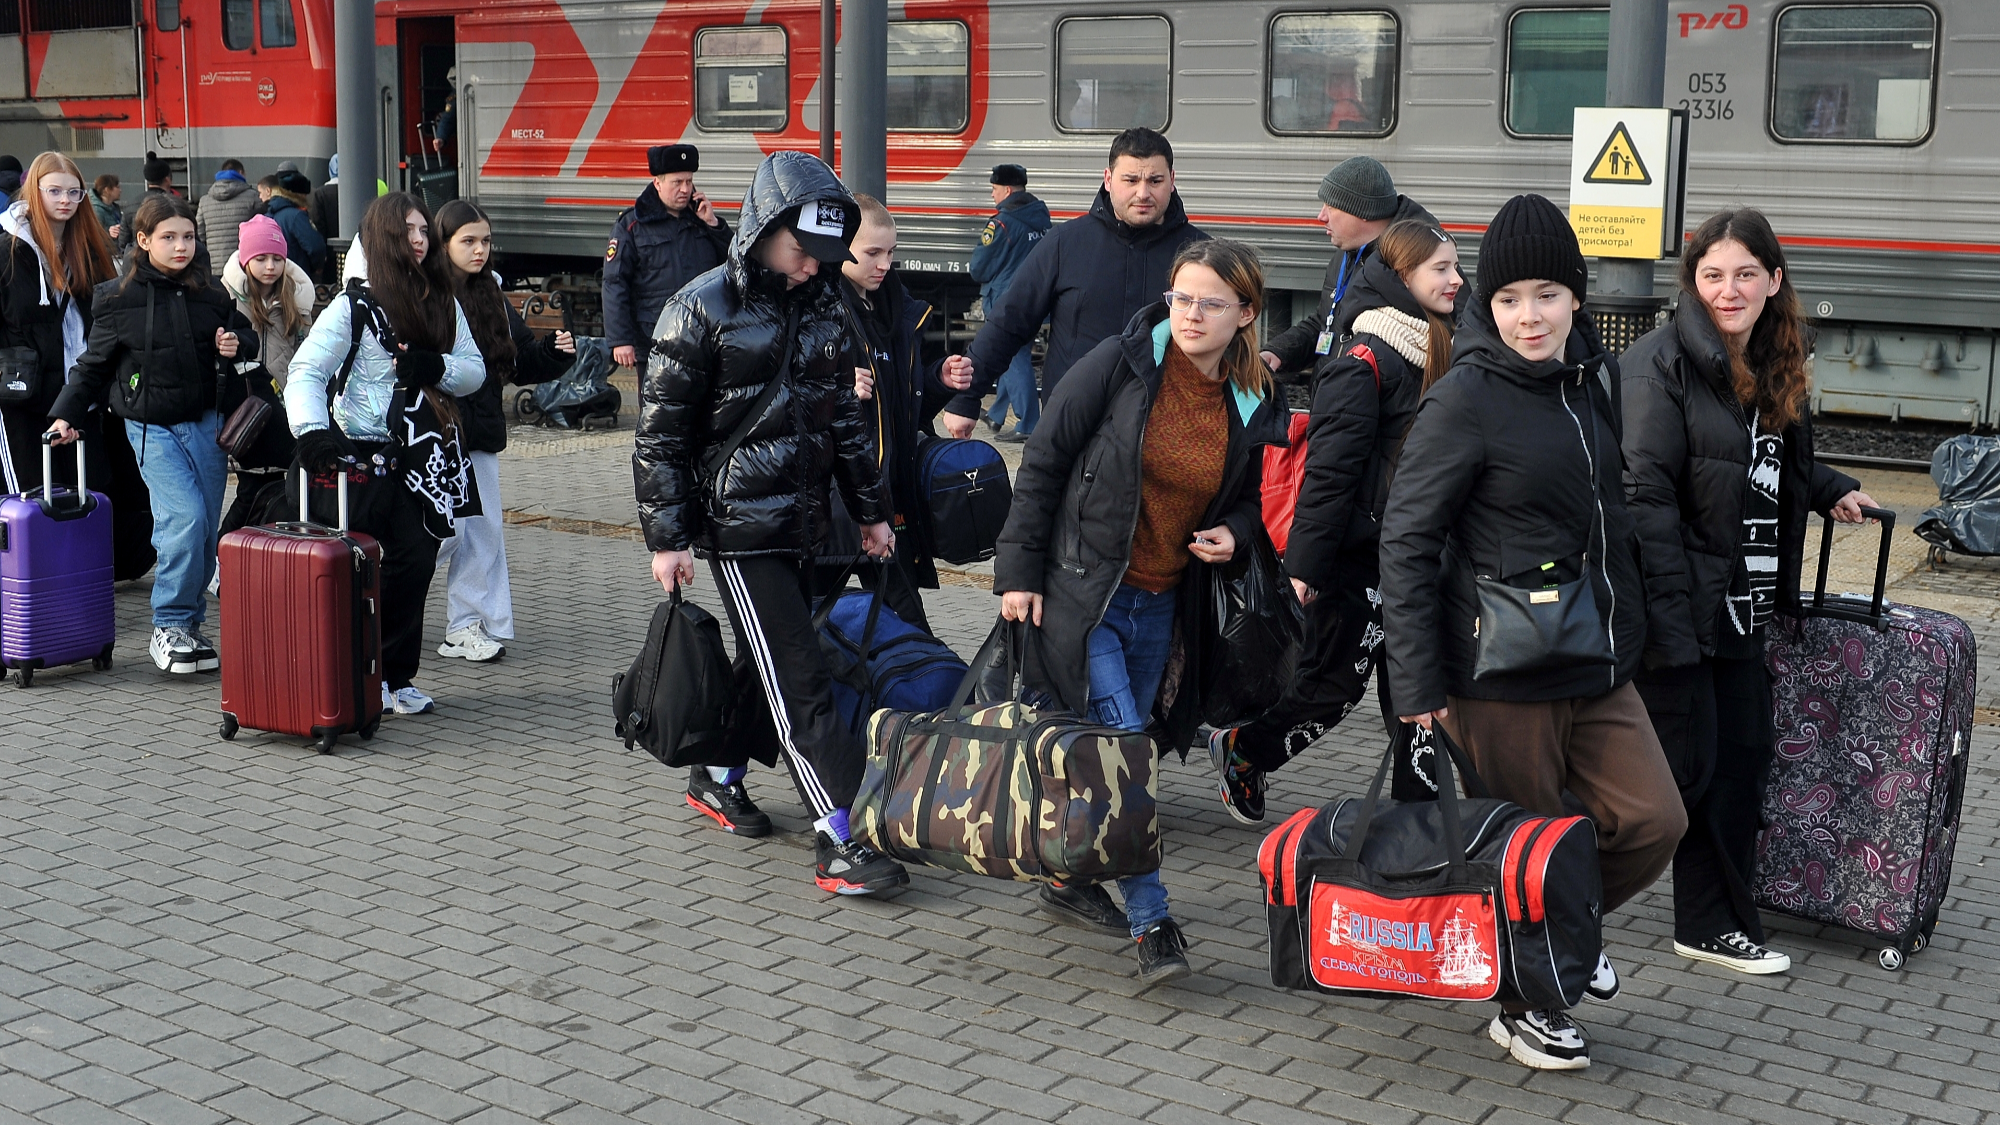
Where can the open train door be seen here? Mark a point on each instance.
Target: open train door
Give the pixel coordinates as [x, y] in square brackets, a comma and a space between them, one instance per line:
[427, 118]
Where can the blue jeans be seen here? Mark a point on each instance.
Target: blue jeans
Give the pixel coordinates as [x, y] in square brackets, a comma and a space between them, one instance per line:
[1128, 655]
[186, 472]
[1017, 389]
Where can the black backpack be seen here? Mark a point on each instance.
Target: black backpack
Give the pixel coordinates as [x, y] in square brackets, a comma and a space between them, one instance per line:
[679, 697]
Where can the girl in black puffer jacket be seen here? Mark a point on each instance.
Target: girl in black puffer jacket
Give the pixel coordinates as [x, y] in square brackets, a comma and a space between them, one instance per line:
[1395, 327]
[160, 336]
[755, 503]
[1718, 439]
[1508, 514]
[480, 601]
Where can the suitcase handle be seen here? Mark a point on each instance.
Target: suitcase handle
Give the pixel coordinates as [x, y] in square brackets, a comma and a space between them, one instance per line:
[340, 490]
[1875, 615]
[84, 503]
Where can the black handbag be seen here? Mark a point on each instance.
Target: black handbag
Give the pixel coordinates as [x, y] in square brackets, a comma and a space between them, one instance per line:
[20, 374]
[1250, 634]
[1557, 626]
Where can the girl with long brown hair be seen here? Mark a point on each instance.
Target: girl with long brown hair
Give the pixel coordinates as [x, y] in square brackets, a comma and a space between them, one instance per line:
[479, 599]
[1721, 480]
[1396, 342]
[391, 424]
[53, 254]
[1148, 459]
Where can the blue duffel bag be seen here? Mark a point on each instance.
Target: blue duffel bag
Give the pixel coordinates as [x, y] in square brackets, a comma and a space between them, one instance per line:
[879, 660]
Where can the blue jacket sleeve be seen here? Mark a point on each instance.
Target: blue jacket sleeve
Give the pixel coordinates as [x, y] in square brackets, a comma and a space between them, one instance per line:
[619, 330]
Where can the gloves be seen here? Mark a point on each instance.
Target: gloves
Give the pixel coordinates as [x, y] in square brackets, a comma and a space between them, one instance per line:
[416, 369]
[320, 451]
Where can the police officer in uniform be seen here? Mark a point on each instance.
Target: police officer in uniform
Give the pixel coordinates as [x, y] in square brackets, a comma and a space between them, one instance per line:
[669, 237]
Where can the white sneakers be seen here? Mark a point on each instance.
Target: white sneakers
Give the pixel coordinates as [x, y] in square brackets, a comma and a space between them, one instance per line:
[181, 650]
[406, 701]
[472, 643]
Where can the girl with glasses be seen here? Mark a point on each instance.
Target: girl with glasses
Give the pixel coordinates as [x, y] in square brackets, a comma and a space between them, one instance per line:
[1148, 458]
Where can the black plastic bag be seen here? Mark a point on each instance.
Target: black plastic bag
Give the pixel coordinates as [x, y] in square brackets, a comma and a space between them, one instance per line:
[1248, 635]
[1967, 518]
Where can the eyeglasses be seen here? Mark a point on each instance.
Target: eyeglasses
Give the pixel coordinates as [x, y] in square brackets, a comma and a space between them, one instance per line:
[1210, 306]
[64, 195]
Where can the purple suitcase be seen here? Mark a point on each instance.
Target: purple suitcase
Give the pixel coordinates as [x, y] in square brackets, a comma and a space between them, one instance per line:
[1873, 709]
[55, 576]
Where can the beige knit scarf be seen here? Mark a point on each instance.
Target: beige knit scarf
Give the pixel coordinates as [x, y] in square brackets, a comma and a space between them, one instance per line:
[1401, 331]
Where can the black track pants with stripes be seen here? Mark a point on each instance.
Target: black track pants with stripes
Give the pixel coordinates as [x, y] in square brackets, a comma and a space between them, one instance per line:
[769, 606]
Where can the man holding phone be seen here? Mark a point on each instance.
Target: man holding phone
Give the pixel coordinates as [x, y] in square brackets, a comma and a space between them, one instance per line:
[667, 238]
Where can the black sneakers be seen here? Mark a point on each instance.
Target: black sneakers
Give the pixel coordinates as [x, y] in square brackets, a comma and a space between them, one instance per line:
[1544, 1040]
[1603, 981]
[1162, 953]
[848, 868]
[1242, 790]
[727, 805]
[1086, 906]
[1735, 950]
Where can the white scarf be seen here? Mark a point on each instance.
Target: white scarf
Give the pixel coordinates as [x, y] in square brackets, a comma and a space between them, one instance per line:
[1410, 336]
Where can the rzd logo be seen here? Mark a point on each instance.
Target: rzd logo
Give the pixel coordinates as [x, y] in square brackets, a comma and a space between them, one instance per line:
[1736, 17]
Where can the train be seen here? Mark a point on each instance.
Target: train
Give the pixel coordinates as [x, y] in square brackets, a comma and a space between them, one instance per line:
[1866, 130]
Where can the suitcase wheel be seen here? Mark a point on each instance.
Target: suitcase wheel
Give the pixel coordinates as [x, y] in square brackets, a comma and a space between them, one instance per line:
[525, 408]
[1890, 958]
[367, 732]
[229, 727]
[102, 661]
[327, 739]
[27, 676]
[1917, 943]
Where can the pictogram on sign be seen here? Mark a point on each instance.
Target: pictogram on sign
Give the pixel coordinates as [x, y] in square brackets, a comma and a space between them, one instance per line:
[1618, 162]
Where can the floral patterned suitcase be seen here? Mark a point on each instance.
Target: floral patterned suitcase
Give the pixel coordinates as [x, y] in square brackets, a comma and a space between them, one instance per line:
[1873, 708]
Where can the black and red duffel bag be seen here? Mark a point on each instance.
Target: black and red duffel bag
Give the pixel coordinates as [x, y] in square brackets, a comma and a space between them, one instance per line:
[1474, 899]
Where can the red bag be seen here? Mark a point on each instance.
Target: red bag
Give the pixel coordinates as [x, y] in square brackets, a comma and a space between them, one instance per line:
[1358, 901]
[1284, 470]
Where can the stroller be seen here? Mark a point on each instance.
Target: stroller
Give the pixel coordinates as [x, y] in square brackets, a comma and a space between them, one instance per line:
[1966, 520]
[582, 398]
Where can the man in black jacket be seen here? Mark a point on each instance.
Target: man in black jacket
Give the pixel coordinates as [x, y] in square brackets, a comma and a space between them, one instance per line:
[1087, 277]
[666, 239]
[746, 414]
[1358, 201]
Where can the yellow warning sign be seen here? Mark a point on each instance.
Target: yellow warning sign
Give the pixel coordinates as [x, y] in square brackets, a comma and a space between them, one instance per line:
[1618, 161]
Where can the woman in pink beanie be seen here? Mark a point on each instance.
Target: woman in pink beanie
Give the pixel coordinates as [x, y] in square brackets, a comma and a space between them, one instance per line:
[276, 296]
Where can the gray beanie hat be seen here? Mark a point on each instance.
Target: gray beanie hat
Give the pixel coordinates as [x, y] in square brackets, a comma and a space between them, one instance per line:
[1361, 187]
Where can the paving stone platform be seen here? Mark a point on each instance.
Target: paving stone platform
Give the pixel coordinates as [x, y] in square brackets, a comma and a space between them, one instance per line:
[498, 914]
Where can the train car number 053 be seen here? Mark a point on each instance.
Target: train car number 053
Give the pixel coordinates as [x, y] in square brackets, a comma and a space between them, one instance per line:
[1709, 109]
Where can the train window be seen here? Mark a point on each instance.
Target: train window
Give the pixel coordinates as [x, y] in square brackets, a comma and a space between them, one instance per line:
[1113, 73]
[929, 74]
[1333, 72]
[1555, 62]
[167, 14]
[740, 78]
[1854, 74]
[275, 26]
[238, 24]
[77, 15]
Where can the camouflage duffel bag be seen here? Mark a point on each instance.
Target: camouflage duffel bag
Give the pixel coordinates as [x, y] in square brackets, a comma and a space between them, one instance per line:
[1007, 791]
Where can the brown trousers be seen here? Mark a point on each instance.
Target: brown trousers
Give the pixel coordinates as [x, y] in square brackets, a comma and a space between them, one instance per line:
[1603, 750]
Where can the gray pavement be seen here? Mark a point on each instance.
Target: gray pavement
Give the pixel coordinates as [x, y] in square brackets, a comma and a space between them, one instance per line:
[497, 913]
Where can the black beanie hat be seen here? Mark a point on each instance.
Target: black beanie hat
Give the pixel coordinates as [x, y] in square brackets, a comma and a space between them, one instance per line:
[1530, 238]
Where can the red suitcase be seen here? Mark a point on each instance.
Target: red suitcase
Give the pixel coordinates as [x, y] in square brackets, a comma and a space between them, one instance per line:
[301, 629]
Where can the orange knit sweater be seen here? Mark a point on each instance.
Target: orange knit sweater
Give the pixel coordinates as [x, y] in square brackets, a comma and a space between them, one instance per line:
[1181, 462]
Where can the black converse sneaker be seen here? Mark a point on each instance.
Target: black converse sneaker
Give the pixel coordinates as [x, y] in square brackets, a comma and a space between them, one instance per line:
[1735, 950]
[1162, 953]
[1544, 1040]
[848, 868]
[1603, 982]
[727, 805]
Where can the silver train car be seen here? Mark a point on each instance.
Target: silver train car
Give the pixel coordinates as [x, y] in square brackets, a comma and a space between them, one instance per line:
[1868, 131]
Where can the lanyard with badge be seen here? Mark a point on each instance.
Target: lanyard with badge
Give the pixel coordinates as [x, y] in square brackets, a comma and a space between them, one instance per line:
[1324, 345]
